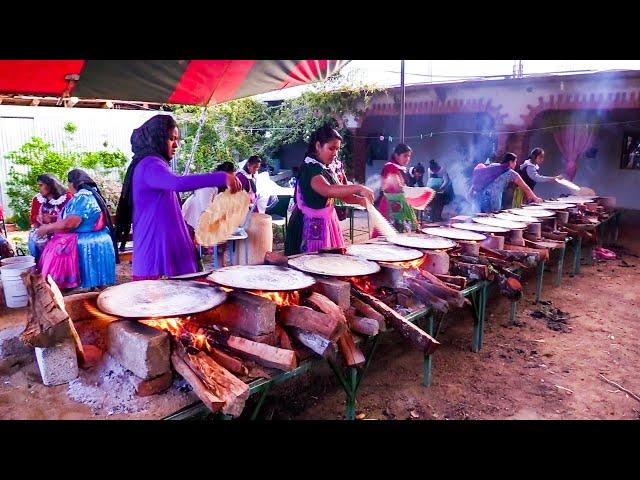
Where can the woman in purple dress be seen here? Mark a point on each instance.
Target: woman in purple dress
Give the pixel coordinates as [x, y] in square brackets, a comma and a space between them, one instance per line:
[150, 204]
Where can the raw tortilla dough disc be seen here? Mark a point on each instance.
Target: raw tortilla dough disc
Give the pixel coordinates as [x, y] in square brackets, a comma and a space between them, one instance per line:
[516, 218]
[424, 242]
[159, 298]
[270, 278]
[383, 252]
[222, 217]
[334, 265]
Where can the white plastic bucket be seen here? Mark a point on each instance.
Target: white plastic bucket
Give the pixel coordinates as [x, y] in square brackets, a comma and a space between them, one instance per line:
[15, 293]
[19, 259]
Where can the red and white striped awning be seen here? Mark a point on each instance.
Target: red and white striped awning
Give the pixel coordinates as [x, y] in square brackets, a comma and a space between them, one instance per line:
[186, 82]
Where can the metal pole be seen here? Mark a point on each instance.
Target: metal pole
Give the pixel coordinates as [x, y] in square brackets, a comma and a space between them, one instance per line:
[196, 140]
[402, 94]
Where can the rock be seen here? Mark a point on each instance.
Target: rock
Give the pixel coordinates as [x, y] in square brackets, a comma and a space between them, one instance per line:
[58, 364]
[139, 348]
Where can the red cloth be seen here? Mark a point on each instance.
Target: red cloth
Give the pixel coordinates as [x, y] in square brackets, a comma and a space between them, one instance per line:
[572, 141]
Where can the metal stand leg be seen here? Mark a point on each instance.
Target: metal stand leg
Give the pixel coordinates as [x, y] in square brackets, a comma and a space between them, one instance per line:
[577, 253]
[426, 381]
[351, 224]
[215, 257]
[258, 406]
[512, 317]
[560, 266]
[539, 280]
[232, 251]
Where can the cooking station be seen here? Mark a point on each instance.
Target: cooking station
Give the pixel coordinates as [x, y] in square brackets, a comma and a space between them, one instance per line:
[192, 347]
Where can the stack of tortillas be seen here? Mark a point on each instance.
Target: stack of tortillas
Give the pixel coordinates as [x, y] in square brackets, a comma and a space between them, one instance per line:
[222, 217]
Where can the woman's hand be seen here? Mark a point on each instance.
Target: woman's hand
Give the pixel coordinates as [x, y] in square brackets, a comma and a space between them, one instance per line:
[559, 177]
[46, 218]
[536, 199]
[366, 192]
[233, 184]
[42, 231]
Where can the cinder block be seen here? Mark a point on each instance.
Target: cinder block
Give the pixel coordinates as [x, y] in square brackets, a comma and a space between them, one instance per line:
[142, 349]
[248, 314]
[338, 291]
[58, 364]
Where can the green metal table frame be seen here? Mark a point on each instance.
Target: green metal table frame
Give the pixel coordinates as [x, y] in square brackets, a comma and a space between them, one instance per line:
[477, 294]
[352, 209]
[539, 278]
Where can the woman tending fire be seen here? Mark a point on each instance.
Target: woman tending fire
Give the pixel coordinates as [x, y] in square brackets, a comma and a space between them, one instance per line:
[314, 223]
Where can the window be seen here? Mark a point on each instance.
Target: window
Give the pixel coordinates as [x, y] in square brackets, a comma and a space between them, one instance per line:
[630, 158]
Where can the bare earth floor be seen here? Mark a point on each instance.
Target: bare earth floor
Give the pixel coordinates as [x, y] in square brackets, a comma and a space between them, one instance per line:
[522, 372]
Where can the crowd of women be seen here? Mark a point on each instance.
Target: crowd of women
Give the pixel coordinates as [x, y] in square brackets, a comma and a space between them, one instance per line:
[75, 241]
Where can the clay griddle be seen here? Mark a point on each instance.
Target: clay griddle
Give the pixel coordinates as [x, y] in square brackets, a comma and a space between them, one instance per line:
[424, 242]
[478, 227]
[454, 233]
[516, 218]
[334, 265]
[556, 205]
[532, 212]
[269, 278]
[499, 222]
[159, 298]
[380, 252]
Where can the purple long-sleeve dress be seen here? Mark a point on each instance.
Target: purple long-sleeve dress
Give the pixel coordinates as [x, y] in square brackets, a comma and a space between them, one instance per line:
[161, 241]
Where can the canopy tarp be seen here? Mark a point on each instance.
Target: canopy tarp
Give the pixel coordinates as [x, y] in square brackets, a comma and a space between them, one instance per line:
[187, 82]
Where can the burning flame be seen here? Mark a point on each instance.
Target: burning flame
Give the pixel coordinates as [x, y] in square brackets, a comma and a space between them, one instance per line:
[364, 284]
[179, 327]
[280, 298]
[412, 264]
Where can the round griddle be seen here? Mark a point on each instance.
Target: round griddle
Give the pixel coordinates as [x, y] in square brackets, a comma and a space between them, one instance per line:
[381, 252]
[556, 206]
[423, 242]
[498, 222]
[334, 265]
[188, 276]
[530, 212]
[478, 227]
[159, 298]
[516, 218]
[577, 199]
[269, 278]
[454, 233]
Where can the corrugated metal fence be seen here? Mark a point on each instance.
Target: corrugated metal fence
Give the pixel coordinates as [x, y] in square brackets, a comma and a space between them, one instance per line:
[97, 129]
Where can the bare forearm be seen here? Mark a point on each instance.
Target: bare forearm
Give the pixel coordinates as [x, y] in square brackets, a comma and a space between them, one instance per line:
[525, 188]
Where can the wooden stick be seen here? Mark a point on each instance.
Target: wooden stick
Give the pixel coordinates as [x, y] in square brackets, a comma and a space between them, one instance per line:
[408, 330]
[458, 281]
[308, 319]
[352, 355]
[620, 387]
[318, 344]
[369, 312]
[232, 364]
[364, 325]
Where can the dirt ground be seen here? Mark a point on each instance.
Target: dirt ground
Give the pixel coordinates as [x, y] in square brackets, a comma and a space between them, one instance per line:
[524, 371]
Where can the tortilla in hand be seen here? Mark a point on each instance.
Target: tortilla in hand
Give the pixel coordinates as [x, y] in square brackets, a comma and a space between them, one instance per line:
[223, 216]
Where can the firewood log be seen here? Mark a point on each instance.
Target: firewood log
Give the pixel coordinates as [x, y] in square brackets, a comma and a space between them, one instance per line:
[368, 311]
[283, 338]
[328, 326]
[471, 271]
[261, 353]
[543, 254]
[459, 282]
[218, 381]
[366, 326]
[352, 355]
[510, 288]
[210, 399]
[408, 330]
[233, 364]
[325, 305]
[427, 297]
[318, 344]
[451, 296]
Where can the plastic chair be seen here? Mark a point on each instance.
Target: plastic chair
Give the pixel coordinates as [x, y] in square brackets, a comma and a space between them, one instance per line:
[278, 213]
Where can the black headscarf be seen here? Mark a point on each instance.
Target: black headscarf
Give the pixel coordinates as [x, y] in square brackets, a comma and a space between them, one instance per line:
[149, 140]
[80, 179]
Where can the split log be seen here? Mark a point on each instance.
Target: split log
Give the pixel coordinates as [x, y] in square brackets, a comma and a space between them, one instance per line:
[469, 248]
[427, 297]
[352, 355]
[233, 364]
[213, 384]
[325, 305]
[368, 311]
[471, 271]
[555, 235]
[451, 296]
[328, 326]
[458, 281]
[283, 338]
[318, 344]
[408, 330]
[261, 353]
[545, 244]
[364, 325]
[210, 399]
[543, 254]
[48, 322]
[527, 258]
